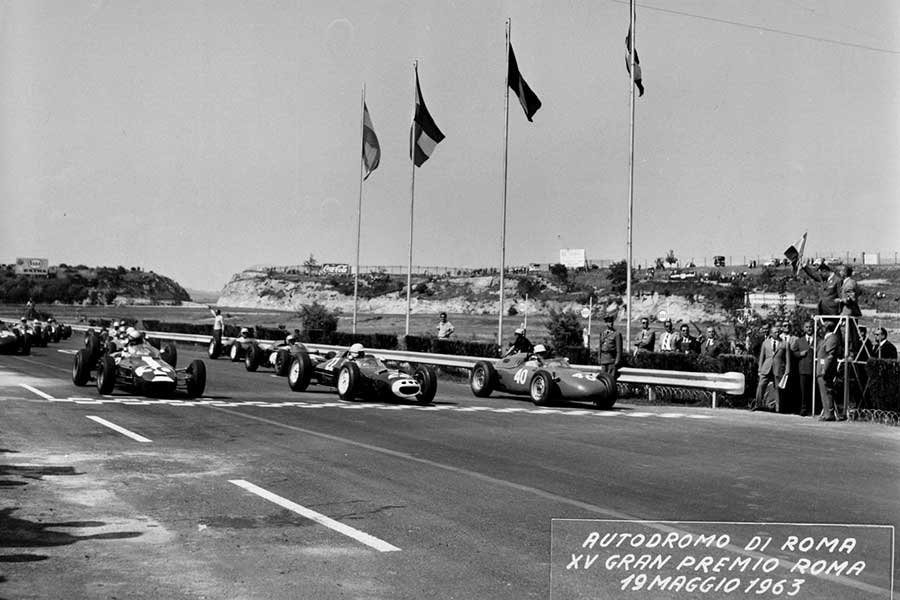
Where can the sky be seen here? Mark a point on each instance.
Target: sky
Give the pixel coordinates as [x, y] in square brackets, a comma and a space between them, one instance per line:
[196, 138]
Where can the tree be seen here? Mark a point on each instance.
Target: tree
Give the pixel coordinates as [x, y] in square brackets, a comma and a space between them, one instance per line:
[618, 276]
[310, 264]
[670, 258]
[560, 272]
[317, 318]
[564, 327]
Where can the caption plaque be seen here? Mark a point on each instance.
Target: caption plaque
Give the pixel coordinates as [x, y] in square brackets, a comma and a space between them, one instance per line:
[601, 559]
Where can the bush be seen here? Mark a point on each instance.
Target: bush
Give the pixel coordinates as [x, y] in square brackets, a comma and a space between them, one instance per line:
[433, 345]
[318, 318]
[564, 327]
[884, 384]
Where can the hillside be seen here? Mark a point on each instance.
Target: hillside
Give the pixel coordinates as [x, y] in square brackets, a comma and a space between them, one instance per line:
[92, 285]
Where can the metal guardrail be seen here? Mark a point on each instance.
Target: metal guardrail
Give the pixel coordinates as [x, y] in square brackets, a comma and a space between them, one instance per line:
[730, 383]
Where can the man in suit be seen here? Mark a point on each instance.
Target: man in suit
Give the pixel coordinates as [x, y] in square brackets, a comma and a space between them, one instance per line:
[773, 365]
[829, 296]
[686, 344]
[849, 300]
[827, 355]
[646, 339]
[669, 339]
[801, 348]
[710, 344]
[883, 348]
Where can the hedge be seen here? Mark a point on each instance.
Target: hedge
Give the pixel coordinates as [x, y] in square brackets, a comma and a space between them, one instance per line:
[456, 347]
[884, 384]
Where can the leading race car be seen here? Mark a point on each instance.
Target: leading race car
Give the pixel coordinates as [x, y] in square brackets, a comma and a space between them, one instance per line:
[543, 379]
[139, 367]
[357, 374]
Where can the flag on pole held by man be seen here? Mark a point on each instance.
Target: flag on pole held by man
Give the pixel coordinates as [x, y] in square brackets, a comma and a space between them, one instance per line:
[638, 79]
[371, 150]
[529, 100]
[795, 253]
[424, 135]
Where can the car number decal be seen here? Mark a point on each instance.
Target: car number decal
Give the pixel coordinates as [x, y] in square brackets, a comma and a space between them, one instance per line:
[521, 376]
[329, 366]
[588, 376]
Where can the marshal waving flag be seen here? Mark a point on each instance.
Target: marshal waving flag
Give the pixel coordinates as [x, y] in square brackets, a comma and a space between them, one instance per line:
[795, 253]
[529, 100]
[638, 78]
[371, 150]
[424, 134]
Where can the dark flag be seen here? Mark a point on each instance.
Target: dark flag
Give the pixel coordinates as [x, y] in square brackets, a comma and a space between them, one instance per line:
[424, 134]
[795, 253]
[638, 79]
[371, 150]
[529, 100]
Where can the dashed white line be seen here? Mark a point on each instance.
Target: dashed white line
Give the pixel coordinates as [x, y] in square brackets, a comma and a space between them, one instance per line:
[34, 390]
[136, 437]
[356, 534]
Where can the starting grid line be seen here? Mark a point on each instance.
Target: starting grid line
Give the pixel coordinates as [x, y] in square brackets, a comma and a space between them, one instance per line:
[369, 405]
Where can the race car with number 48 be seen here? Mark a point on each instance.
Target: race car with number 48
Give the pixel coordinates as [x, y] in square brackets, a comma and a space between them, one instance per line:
[545, 380]
[357, 374]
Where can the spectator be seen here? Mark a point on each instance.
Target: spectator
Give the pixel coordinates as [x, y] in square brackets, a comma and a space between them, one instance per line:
[610, 353]
[773, 367]
[646, 339]
[669, 339]
[218, 325]
[849, 293]
[686, 344]
[711, 345]
[829, 303]
[585, 337]
[801, 352]
[444, 327]
[520, 343]
[827, 355]
[29, 309]
[883, 348]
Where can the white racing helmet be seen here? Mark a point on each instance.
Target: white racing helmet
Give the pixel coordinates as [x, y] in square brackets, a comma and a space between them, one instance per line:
[134, 336]
[356, 351]
[540, 349]
[245, 332]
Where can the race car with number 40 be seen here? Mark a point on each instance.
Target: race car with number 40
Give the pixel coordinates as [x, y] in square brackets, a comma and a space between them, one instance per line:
[545, 380]
[356, 374]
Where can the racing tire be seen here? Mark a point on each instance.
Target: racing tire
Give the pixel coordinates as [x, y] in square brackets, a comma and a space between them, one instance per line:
[608, 399]
[56, 335]
[81, 368]
[253, 358]
[481, 381]
[214, 350]
[169, 354]
[66, 332]
[93, 344]
[282, 362]
[234, 353]
[106, 375]
[300, 372]
[427, 379]
[541, 388]
[195, 381]
[26, 344]
[348, 381]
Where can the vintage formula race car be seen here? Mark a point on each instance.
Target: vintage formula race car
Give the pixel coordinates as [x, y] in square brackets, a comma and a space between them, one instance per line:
[277, 356]
[544, 380]
[361, 376]
[141, 369]
[235, 349]
[14, 341]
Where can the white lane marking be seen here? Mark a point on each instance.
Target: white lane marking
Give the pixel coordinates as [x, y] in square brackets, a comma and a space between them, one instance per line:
[122, 430]
[64, 351]
[34, 390]
[639, 414]
[356, 534]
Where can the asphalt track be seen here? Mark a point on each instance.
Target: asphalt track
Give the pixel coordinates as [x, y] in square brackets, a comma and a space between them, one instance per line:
[254, 491]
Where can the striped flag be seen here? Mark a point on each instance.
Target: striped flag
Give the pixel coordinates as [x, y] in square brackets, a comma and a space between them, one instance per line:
[638, 79]
[371, 150]
[529, 100]
[795, 253]
[424, 134]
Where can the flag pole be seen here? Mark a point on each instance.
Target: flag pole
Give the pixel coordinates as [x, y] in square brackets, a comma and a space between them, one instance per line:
[412, 203]
[629, 227]
[362, 151]
[505, 173]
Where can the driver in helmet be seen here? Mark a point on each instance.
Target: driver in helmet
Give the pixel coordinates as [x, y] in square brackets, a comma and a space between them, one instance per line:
[245, 333]
[356, 351]
[539, 354]
[134, 341]
[290, 339]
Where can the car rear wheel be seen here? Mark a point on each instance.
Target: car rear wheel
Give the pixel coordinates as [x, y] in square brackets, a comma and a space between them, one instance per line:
[282, 362]
[214, 350]
[348, 381]
[300, 372]
[169, 354]
[252, 359]
[81, 368]
[235, 353]
[427, 380]
[106, 375]
[26, 344]
[482, 379]
[541, 389]
[195, 380]
[607, 399]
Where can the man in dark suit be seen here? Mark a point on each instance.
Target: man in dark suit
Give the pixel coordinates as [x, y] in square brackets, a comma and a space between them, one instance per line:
[686, 343]
[828, 353]
[829, 296]
[883, 348]
[773, 365]
[710, 345]
[802, 352]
